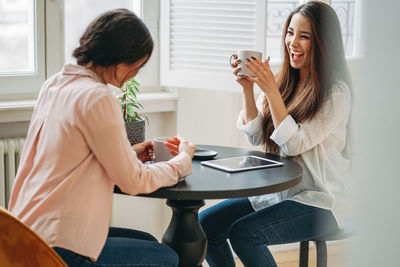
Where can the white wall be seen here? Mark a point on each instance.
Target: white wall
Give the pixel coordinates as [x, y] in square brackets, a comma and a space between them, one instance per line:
[208, 116]
[376, 141]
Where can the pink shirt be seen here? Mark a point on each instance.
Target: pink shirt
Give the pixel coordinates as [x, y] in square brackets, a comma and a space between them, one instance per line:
[75, 151]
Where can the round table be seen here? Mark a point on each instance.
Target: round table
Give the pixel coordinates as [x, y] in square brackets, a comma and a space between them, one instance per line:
[184, 233]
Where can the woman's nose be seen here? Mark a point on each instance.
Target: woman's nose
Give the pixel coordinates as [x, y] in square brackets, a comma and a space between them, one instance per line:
[295, 41]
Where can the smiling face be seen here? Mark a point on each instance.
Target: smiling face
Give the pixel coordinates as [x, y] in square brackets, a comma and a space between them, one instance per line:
[298, 42]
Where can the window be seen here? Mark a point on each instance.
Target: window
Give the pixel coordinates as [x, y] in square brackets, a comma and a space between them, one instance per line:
[78, 15]
[198, 37]
[34, 42]
[278, 11]
[17, 38]
[22, 65]
[345, 9]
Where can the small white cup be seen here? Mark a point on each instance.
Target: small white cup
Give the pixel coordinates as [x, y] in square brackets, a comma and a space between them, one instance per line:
[161, 151]
[242, 55]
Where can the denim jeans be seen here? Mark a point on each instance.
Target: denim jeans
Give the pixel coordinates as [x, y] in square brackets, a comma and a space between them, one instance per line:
[125, 247]
[251, 232]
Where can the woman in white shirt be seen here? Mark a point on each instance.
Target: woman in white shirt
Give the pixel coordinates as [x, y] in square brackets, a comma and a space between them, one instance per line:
[303, 113]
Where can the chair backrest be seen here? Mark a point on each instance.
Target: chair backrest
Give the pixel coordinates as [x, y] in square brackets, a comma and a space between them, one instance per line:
[20, 246]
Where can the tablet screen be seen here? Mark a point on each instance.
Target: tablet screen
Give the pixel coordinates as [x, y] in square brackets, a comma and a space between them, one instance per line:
[241, 163]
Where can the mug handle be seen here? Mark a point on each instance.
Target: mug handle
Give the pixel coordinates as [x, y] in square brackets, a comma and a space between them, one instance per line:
[230, 59]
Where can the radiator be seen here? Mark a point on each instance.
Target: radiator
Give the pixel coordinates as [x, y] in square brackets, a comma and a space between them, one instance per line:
[10, 151]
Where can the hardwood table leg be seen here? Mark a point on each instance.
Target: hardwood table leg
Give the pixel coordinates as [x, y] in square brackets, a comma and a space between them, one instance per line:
[184, 233]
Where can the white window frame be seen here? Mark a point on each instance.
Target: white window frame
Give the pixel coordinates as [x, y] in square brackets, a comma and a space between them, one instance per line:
[192, 79]
[54, 36]
[149, 75]
[26, 86]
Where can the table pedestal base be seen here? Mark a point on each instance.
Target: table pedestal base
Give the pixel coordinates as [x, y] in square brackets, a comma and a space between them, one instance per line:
[184, 233]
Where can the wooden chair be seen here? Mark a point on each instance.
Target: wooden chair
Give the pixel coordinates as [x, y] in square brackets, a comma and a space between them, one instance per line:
[320, 245]
[20, 246]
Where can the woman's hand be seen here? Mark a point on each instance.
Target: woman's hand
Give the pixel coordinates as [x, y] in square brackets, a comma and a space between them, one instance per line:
[144, 151]
[242, 80]
[179, 144]
[264, 77]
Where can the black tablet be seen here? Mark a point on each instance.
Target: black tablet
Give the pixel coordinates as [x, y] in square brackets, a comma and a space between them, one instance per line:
[243, 163]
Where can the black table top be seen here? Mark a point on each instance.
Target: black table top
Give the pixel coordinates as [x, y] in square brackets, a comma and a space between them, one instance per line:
[210, 183]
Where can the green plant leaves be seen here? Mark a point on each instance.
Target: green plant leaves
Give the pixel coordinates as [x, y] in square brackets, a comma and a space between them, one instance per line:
[128, 99]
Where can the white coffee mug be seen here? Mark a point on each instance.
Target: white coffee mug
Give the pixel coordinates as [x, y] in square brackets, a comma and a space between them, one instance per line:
[161, 151]
[242, 55]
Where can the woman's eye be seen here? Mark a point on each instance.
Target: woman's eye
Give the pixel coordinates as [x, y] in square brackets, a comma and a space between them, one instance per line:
[290, 32]
[305, 37]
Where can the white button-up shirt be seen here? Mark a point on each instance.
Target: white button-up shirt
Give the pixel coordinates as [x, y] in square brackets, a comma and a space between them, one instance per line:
[322, 147]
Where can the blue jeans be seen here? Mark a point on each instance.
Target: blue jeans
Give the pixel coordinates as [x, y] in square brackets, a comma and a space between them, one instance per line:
[250, 232]
[125, 247]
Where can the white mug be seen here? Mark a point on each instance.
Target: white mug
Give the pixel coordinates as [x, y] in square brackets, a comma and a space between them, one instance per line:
[242, 55]
[161, 151]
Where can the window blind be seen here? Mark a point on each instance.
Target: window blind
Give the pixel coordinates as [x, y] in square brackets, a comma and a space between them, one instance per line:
[199, 36]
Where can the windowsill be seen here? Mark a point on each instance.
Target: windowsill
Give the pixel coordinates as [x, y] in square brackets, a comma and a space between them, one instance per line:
[158, 102]
[21, 110]
[17, 105]
[16, 110]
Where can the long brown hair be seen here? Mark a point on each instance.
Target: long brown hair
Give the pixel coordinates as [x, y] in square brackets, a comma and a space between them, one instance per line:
[327, 63]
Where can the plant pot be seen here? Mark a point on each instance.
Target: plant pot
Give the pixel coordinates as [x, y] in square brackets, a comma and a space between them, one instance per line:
[135, 131]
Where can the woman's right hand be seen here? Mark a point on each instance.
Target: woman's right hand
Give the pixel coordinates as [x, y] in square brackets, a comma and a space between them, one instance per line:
[180, 144]
[242, 80]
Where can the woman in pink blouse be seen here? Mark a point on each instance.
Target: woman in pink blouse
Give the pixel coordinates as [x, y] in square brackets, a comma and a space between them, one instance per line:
[77, 150]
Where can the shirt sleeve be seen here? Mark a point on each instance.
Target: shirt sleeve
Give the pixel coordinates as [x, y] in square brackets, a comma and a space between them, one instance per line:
[253, 130]
[106, 136]
[295, 138]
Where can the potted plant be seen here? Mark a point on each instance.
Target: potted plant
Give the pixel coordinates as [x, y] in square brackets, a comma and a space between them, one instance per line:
[134, 120]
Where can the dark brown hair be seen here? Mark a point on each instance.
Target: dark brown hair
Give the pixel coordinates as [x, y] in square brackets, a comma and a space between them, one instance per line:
[327, 64]
[117, 36]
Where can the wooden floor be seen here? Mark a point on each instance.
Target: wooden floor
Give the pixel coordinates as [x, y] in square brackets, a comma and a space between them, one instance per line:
[337, 257]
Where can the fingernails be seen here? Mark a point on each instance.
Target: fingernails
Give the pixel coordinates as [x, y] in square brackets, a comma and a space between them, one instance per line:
[253, 57]
[248, 59]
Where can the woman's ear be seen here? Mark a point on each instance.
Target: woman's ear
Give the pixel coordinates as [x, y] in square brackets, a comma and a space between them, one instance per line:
[118, 71]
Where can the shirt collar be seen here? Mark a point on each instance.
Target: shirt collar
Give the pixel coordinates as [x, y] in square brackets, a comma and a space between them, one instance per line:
[72, 69]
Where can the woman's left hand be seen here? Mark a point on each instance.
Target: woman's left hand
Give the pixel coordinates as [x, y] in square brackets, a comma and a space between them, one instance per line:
[264, 77]
[266, 81]
[144, 151]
